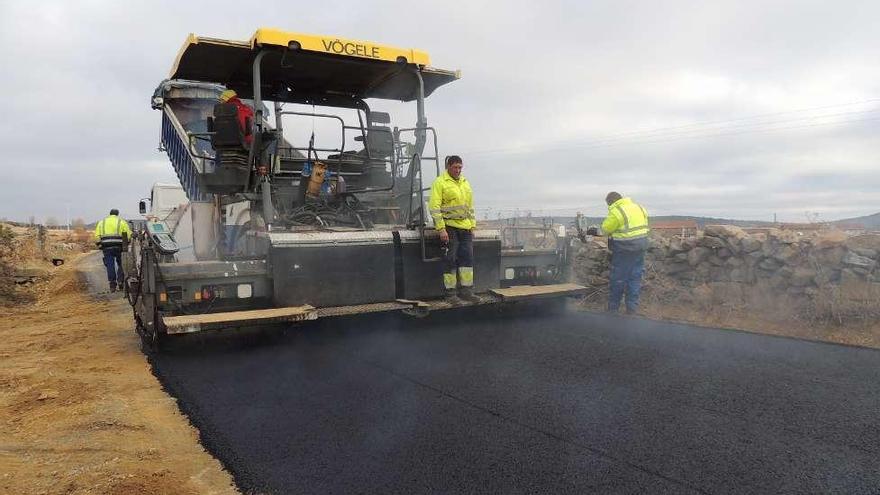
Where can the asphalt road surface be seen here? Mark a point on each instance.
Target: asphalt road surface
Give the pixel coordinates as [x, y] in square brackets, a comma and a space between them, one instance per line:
[577, 403]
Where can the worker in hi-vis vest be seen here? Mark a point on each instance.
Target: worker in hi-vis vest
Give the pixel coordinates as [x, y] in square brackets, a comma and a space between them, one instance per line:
[452, 208]
[112, 235]
[627, 229]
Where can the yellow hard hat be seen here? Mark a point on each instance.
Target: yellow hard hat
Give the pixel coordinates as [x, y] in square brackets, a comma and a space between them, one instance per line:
[227, 95]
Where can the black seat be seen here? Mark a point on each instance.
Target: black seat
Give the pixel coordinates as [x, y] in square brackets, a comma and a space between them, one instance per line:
[227, 131]
[231, 171]
[380, 143]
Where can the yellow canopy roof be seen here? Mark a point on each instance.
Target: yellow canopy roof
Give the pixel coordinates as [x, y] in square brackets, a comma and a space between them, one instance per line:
[311, 66]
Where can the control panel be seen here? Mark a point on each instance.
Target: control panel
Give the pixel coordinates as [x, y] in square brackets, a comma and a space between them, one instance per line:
[162, 238]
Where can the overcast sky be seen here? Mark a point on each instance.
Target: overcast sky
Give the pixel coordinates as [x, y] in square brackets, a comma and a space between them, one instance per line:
[735, 109]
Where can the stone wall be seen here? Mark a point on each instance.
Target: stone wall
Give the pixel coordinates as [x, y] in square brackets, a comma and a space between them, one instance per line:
[828, 274]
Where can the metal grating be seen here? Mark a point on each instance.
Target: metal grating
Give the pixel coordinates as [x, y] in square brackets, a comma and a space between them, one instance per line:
[181, 159]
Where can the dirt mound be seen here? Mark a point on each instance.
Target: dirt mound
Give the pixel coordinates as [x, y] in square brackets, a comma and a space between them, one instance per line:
[80, 408]
[26, 259]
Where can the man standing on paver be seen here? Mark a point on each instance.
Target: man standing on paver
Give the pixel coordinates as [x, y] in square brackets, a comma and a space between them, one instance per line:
[452, 207]
[111, 235]
[627, 229]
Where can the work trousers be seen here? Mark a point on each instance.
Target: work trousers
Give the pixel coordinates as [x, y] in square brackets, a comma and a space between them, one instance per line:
[626, 277]
[113, 264]
[459, 257]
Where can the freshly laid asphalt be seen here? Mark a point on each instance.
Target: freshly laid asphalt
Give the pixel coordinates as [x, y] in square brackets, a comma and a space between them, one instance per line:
[474, 402]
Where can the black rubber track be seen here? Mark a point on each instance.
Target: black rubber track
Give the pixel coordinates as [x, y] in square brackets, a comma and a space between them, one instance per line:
[470, 402]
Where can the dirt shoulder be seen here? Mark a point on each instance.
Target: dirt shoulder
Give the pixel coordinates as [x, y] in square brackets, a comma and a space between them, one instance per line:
[719, 314]
[81, 412]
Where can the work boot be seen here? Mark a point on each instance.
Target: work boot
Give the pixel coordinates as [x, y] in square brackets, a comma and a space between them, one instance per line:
[467, 294]
[452, 298]
[112, 286]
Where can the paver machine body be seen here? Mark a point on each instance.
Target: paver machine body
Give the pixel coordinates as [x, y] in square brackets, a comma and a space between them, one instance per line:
[313, 209]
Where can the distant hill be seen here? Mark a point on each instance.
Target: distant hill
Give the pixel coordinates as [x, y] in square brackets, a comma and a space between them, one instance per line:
[871, 222]
[701, 221]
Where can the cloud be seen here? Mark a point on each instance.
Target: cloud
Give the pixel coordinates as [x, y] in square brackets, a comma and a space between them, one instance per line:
[560, 102]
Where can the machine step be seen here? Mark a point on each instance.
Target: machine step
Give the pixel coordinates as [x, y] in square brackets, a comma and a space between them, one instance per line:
[518, 292]
[196, 323]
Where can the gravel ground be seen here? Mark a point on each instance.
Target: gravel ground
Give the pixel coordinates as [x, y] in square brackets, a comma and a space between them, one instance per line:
[576, 403]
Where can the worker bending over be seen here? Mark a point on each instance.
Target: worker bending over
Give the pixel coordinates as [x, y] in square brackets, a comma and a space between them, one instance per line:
[111, 235]
[452, 207]
[627, 229]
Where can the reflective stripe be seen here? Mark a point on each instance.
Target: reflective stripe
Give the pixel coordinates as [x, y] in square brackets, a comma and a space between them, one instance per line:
[625, 218]
[625, 237]
[110, 241]
[463, 216]
[634, 229]
[450, 208]
[461, 212]
[640, 236]
[466, 276]
[449, 280]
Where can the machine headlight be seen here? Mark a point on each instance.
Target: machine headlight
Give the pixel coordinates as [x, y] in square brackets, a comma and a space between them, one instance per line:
[244, 291]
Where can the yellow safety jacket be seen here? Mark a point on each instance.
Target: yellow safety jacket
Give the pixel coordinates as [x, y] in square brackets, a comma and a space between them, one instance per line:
[626, 220]
[109, 232]
[452, 203]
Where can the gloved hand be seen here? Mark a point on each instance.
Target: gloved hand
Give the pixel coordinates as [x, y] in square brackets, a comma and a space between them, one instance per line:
[592, 231]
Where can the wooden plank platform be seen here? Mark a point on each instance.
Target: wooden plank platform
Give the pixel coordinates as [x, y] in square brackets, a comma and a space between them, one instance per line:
[358, 309]
[518, 292]
[195, 323]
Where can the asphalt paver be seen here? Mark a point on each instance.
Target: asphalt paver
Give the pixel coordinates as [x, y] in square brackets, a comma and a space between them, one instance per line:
[486, 402]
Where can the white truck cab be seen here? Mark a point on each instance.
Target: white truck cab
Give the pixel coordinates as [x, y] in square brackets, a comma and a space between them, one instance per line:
[170, 206]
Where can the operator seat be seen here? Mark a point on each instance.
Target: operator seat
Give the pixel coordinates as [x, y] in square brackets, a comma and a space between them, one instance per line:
[379, 147]
[227, 131]
[380, 143]
[231, 170]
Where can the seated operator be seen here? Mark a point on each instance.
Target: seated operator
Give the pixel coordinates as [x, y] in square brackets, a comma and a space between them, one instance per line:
[244, 113]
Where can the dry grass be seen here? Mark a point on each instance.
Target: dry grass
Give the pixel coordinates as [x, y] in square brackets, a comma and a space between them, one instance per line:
[847, 314]
[850, 303]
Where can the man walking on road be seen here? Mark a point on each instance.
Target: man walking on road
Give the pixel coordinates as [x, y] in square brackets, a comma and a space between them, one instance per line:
[452, 207]
[111, 235]
[627, 229]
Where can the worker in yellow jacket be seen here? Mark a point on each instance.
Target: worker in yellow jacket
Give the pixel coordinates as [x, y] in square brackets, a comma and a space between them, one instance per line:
[627, 229]
[112, 235]
[452, 208]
